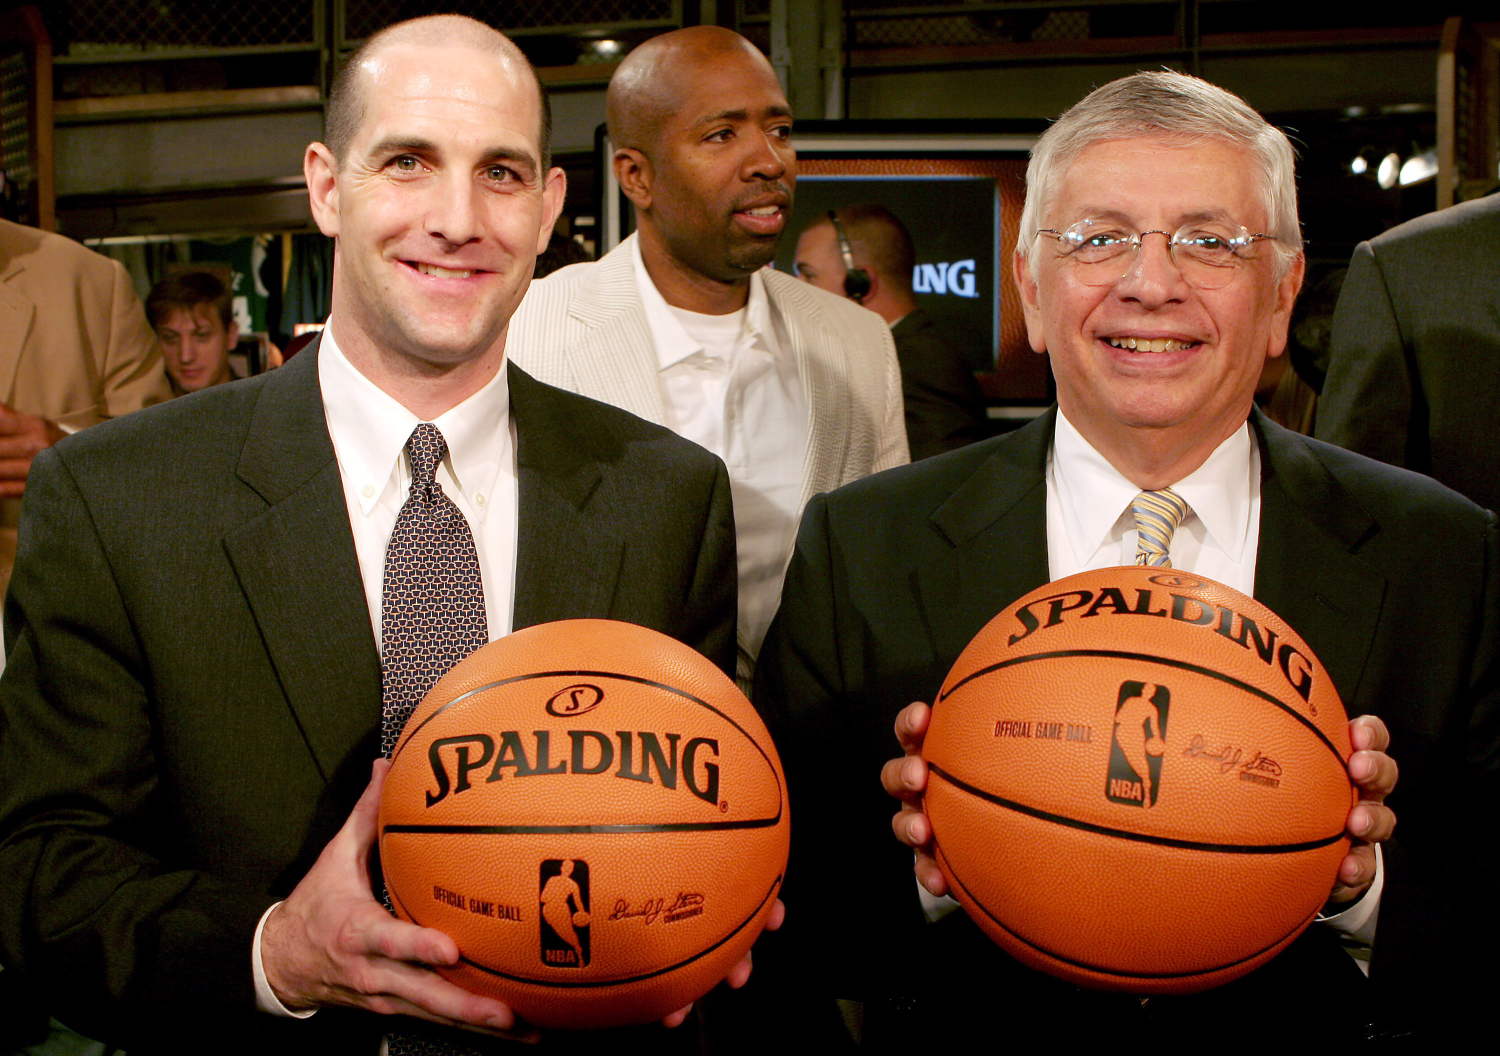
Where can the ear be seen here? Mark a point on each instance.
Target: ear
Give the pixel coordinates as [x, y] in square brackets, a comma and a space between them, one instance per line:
[633, 170]
[232, 334]
[1030, 302]
[554, 192]
[1286, 297]
[321, 172]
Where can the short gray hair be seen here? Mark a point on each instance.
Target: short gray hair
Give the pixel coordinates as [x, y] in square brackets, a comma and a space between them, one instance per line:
[1165, 103]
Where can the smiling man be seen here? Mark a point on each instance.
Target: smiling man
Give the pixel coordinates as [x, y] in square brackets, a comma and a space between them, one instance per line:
[796, 390]
[1158, 260]
[224, 609]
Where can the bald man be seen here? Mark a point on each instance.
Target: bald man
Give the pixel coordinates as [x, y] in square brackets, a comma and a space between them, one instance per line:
[944, 406]
[797, 390]
[209, 652]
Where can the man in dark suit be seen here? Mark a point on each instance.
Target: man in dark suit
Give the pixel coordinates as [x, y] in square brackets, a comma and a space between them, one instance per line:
[944, 406]
[194, 695]
[1158, 262]
[1414, 368]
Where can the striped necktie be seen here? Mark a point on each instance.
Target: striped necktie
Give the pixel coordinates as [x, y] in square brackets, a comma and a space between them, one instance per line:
[1157, 515]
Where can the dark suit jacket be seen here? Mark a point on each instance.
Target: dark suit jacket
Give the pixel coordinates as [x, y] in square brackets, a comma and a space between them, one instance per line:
[944, 407]
[1414, 373]
[192, 699]
[1390, 577]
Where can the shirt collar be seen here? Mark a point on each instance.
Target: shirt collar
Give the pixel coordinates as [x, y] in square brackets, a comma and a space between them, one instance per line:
[673, 343]
[369, 428]
[1095, 496]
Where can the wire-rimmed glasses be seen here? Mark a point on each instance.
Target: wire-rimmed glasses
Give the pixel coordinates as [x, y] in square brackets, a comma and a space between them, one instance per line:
[1206, 252]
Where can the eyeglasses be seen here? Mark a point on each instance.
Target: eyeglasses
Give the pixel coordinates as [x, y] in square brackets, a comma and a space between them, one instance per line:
[1207, 253]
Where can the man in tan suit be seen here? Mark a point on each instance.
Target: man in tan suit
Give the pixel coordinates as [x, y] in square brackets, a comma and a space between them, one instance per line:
[796, 389]
[75, 349]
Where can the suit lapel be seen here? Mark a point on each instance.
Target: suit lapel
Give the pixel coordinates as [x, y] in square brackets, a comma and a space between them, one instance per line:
[823, 365]
[567, 555]
[994, 521]
[297, 567]
[1307, 568]
[17, 314]
[616, 361]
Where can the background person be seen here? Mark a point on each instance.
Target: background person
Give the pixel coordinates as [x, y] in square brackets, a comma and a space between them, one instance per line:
[1414, 373]
[192, 313]
[682, 324]
[944, 407]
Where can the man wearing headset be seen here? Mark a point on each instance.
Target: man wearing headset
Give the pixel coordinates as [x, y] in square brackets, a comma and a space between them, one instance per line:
[797, 391]
[865, 253]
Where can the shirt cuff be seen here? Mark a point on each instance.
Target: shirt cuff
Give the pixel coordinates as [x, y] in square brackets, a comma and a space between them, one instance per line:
[265, 998]
[1358, 921]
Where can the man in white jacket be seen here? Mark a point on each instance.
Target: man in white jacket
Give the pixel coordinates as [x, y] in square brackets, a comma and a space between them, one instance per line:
[798, 391]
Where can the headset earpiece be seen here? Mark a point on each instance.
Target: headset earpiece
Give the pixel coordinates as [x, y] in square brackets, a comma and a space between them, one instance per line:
[857, 281]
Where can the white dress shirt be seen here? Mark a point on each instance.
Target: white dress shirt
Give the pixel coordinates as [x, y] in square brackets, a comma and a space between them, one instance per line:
[730, 383]
[369, 430]
[1090, 525]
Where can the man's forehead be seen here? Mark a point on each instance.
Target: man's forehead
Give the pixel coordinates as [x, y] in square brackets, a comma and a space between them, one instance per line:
[402, 75]
[1161, 179]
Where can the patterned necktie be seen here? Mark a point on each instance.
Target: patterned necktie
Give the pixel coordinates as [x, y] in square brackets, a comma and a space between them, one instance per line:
[432, 605]
[1157, 515]
[432, 616]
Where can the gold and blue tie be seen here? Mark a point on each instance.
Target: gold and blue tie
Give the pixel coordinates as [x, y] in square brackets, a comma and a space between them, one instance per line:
[1157, 515]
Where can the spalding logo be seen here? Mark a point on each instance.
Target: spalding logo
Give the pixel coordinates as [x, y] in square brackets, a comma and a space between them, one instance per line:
[575, 700]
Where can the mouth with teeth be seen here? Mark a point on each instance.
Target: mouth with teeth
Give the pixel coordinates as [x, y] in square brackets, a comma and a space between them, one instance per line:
[1152, 344]
[440, 273]
[762, 219]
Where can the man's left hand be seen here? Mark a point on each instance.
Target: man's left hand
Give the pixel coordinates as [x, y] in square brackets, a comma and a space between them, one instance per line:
[22, 437]
[1371, 821]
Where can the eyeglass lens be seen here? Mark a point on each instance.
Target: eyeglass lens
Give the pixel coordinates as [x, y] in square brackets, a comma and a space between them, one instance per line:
[1207, 254]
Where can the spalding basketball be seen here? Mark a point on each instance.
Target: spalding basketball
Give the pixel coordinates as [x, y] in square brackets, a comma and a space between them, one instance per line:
[595, 815]
[1138, 781]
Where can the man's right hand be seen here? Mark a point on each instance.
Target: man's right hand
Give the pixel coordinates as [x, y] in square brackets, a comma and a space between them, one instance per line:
[332, 943]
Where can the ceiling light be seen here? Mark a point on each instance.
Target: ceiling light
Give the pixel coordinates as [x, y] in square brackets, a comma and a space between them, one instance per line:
[1419, 168]
[1390, 168]
[1359, 165]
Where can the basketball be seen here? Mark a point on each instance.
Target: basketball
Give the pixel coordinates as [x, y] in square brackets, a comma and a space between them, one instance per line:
[595, 815]
[1137, 781]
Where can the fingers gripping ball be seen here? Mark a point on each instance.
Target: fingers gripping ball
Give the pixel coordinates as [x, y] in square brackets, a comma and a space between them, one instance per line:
[1138, 781]
[595, 814]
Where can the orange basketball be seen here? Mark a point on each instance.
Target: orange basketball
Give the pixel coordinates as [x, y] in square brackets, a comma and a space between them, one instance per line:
[595, 814]
[1138, 781]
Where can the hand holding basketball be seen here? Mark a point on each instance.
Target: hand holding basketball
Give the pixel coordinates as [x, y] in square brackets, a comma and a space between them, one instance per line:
[332, 943]
[1371, 822]
[906, 779]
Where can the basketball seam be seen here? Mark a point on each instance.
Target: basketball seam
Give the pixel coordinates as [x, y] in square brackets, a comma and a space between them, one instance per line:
[598, 984]
[569, 830]
[1116, 972]
[1138, 837]
[1064, 654]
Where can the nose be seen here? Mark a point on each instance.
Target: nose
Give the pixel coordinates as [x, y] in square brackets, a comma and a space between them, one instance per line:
[452, 213]
[1153, 278]
[770, 159]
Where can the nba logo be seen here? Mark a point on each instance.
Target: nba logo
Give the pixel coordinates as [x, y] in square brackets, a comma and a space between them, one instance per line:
[1134, 777]
[564, 912]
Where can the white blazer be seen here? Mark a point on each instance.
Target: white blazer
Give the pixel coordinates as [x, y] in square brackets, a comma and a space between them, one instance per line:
[584, 329]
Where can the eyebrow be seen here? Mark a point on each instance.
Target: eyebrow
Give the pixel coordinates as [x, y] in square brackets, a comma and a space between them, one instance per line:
[743, 115]
[411, 145]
